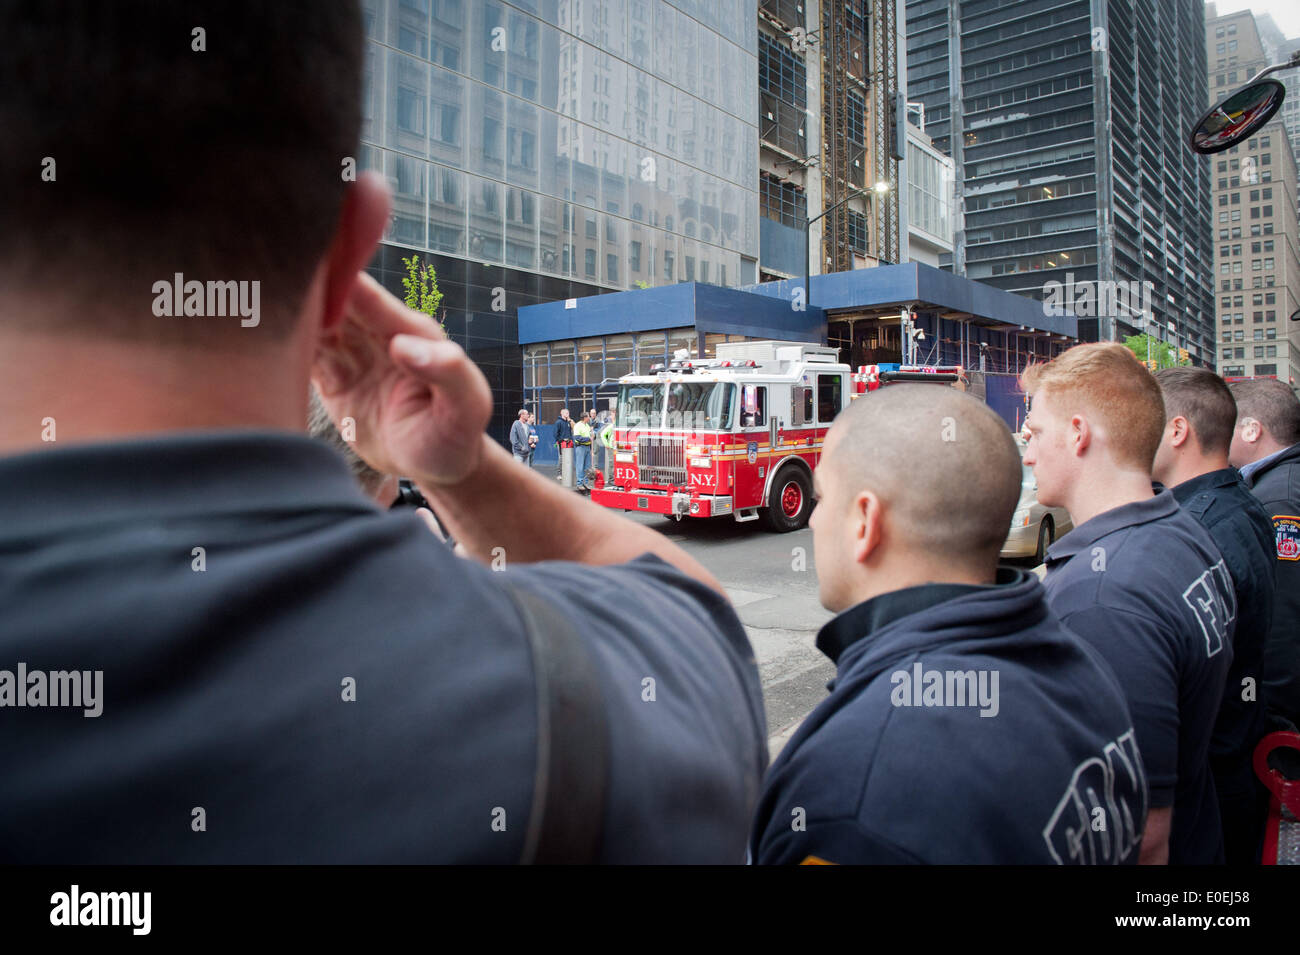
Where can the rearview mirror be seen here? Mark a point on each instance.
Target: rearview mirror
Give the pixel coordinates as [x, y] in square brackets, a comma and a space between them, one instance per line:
[1295, 316]
[1238, 117]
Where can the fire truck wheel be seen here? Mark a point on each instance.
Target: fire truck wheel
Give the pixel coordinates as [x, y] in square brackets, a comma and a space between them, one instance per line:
[790, 501]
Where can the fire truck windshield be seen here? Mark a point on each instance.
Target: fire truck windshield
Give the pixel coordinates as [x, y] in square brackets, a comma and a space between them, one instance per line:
[699, 405]
[641, 406]
[689, 406]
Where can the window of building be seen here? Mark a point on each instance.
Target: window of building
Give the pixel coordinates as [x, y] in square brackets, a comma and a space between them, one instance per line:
[1265, 370]
[858, 232]
[782, 202]
[590, 263]
[781, 73]
[492, 146]
[634, 257]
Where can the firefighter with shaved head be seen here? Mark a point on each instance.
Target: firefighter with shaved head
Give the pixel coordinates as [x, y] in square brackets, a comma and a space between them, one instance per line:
[944, 659]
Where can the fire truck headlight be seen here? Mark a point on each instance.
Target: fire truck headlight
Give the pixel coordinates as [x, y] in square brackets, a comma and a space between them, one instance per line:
[624, 457]
[695, 507]
[701, 462]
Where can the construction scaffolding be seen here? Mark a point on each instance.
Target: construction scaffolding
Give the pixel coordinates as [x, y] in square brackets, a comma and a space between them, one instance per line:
[859, 84]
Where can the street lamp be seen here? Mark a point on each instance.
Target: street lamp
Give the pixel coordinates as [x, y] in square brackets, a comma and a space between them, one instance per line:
[807, 236]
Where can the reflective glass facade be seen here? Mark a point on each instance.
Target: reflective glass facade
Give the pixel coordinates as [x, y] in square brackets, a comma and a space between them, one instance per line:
[556, 148]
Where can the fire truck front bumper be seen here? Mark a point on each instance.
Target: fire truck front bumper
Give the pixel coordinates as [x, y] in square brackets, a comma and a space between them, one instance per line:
[672, 503]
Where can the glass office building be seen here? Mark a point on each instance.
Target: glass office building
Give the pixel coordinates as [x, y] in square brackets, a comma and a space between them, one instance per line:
[549, 149]
[1067, 122]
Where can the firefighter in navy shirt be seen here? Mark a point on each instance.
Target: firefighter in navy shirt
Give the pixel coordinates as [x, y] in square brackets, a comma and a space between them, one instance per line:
[1266, 446]
[964, 724]
[1192, 461]
[1137, 578]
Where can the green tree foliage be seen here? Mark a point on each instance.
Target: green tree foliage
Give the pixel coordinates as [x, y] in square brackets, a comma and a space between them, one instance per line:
[1163, 354]
[421, 284]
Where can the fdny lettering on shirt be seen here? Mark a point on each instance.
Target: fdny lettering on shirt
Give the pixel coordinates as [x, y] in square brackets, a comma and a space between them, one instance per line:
[1287, 529]
[1212, 599]
[1100, 818]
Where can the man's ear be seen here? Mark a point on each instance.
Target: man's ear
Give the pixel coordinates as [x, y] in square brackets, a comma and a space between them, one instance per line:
[1251, 430]
[365, 216]
[1178, 431]
[868, 525]
[1080, 434]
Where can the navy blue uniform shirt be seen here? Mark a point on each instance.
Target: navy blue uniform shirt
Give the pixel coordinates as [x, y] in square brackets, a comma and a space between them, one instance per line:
[1243, 534]
[964, 725]
[1145, 585]
[1277, 485]
[226, 671]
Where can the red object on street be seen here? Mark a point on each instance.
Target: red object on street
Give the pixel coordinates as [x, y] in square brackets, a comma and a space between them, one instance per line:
[1282, 831]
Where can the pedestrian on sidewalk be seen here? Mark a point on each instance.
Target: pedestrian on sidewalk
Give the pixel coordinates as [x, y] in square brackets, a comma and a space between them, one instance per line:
[519, 437]
[563, 439]
[532, 439]
[582, 451]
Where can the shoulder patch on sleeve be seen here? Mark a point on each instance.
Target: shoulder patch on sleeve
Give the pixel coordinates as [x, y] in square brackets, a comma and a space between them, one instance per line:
[1287, 529]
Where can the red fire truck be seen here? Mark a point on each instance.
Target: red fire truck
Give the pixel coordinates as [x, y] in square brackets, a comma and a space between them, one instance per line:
[738, 434]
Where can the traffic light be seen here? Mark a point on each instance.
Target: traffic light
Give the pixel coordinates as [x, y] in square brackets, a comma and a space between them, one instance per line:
[1183, 357]
[1151, 364]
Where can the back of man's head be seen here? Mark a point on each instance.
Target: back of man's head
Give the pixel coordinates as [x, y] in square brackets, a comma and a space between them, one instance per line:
[146, 138]
[943, 464]
[1105, 382]
[1203, 398]
[1273, 404]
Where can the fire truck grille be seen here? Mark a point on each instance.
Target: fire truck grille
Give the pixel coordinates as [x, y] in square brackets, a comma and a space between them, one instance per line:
[661, 460]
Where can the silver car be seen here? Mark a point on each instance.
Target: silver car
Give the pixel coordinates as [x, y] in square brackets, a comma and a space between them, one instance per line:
[1034, 526]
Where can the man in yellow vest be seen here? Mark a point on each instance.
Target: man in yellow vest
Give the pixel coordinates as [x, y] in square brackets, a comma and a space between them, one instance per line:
[582, 451]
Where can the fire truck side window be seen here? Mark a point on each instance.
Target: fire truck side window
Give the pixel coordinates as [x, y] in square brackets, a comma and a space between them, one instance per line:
[753, 406]
[829, 397]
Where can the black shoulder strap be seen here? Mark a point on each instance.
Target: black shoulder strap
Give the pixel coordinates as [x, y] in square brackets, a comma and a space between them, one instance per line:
[567, 820]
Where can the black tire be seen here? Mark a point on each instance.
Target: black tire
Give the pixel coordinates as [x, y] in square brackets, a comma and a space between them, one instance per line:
[791, 501]
[1046, 534]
